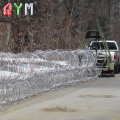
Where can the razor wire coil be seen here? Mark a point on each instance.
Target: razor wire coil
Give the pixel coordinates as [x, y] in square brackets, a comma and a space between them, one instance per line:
[26, 74]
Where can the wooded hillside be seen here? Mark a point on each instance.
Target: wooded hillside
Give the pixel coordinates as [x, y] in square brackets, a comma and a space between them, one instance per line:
[57, 24]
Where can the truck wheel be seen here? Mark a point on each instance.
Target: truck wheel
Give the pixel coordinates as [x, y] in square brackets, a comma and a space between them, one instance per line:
[112, 73]
[117, 69]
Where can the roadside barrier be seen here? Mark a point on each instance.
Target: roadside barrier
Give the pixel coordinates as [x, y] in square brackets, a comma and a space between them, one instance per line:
[26, 74]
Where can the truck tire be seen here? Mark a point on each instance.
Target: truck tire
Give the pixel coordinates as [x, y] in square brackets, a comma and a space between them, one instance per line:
[112, 73]
[117, 69]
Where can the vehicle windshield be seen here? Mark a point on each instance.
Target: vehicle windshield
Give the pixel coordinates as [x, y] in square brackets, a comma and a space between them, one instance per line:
[100, 46]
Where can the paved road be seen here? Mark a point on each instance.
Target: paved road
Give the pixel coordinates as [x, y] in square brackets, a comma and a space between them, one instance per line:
[97, 100]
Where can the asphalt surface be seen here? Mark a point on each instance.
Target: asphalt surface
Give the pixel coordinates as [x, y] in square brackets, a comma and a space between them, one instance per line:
[96, 100]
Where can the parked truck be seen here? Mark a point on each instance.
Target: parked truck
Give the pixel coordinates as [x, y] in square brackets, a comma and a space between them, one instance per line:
[102, 54]
[107, 51]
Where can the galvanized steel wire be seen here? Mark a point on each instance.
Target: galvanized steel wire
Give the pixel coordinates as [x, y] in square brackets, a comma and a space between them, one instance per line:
[26, 74]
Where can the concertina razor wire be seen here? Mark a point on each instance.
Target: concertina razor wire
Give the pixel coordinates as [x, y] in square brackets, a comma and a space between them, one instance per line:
[26, 74]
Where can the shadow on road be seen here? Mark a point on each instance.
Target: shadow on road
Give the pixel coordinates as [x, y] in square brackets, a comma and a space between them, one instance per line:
[103, 75]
